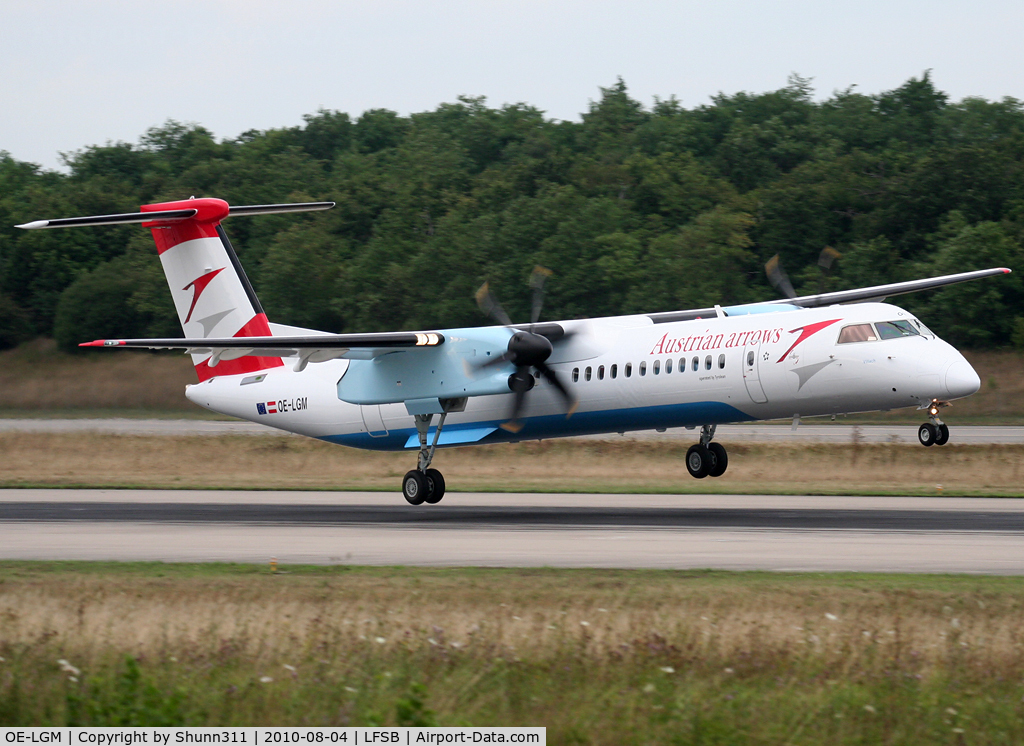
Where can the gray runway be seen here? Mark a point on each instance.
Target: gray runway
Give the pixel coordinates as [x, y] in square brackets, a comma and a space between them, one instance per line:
[802, 533]
[811, 433]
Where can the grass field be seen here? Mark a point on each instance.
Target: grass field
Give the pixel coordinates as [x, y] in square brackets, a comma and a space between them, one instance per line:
[269, 462]
[40, 380]
[598, 657]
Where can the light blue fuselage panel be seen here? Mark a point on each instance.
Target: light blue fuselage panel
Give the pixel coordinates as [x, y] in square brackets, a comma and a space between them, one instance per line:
[443, 372]
[555, 426]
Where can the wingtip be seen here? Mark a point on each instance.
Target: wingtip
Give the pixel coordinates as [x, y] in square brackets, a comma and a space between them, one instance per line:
[102, 343]
[33, 225]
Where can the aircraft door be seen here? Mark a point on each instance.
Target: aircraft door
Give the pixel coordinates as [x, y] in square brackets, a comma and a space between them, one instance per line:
[751, 376]
[373, 421]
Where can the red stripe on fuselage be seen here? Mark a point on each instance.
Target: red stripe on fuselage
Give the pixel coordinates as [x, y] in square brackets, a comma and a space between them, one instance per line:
[258, 326]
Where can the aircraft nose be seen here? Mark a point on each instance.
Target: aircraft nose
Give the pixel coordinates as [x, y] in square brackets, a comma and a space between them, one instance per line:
[961, 379]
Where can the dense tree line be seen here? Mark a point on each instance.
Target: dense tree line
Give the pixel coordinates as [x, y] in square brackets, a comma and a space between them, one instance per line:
[634, 208]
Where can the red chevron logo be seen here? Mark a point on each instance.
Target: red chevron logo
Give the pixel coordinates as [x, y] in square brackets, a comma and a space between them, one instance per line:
[200, 284]
[805, 332]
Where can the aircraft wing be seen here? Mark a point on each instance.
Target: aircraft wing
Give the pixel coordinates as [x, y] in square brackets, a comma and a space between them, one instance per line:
[858, 295]
[313, 348]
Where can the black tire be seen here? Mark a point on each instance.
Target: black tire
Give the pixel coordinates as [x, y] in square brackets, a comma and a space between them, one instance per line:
[927, 434]
[415, 487]
[721, 460]
[698, 461]
[437, 487]
[943, 437]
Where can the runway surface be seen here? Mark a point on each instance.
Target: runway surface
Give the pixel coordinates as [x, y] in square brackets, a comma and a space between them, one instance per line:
[816, 433]
[803, 533]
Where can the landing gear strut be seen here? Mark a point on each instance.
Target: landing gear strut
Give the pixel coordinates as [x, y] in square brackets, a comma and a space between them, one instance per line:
[934, 432]
[707, 459]
[423, 484]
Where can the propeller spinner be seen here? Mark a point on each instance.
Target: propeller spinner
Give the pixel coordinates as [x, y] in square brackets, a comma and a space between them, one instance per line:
[525, 350]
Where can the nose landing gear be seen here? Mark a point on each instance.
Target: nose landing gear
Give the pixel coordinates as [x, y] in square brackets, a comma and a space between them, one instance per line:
[934, 432]
[707, 459]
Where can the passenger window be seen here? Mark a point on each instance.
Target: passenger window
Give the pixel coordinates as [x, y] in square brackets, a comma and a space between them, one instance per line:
[695, 363]
[682, 365]
[629, 369]
[657, 367]
[750, 359]
[707, 363]
[668, 366]
[721, 362]
[615, 371]
[643, 368]
[575, 375]
[894, 329]
[600, 373]
[587, 373]
[857, 333]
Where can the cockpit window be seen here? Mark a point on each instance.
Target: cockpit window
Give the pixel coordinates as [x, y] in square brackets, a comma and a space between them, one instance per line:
[922, 328]
[896, 329]
[857, 333]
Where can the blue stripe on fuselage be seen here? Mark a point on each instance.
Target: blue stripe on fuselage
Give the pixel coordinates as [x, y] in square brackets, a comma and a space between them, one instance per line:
[558, 426]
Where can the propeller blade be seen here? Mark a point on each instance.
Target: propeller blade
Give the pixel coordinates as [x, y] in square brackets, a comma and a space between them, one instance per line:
[490, 306]
[778, 278]
[521, 382]
[826, 259]
[552, 378]
[537, 278]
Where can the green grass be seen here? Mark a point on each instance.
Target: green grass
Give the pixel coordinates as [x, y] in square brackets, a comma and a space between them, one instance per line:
[664, 656]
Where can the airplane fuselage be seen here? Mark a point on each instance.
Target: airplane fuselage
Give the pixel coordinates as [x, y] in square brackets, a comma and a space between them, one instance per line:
[630, 373]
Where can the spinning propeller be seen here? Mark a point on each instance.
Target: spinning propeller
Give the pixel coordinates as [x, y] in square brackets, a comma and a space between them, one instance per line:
[525, 350]
[780, 280]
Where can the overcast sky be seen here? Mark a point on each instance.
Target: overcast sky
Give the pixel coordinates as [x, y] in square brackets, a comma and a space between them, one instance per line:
[80, 73]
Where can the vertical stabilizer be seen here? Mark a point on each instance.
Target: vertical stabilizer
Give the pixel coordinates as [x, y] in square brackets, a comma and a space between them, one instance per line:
[211, 293]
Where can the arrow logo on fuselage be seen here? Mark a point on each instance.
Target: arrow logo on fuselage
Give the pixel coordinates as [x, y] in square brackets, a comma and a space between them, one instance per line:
[805, 332]
[199, 284]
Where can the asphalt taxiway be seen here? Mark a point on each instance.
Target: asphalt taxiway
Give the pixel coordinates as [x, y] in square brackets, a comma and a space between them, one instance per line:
[801, 533]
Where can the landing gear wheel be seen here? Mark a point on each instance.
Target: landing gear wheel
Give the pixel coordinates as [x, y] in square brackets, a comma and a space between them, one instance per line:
[928, 434]
[436, 487]
[943, 437]
[415, 487]
[721, 460]
[699, 461]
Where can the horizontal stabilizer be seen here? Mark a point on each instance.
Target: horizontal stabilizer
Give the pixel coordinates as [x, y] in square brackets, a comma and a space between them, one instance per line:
[130, 217]
[171, 215]
[312, 349]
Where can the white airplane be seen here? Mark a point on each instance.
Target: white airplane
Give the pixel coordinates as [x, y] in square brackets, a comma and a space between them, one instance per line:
[793, 358]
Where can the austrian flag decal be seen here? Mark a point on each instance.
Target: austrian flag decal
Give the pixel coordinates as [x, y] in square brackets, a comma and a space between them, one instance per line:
[271, 407]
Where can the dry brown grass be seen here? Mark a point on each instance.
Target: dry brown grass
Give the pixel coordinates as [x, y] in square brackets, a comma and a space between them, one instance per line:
[92, 459]
[596, 656]
[37, 376]
[527, 613]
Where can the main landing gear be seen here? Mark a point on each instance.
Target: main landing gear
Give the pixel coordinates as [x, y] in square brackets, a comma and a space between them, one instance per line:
[934, 432]
[707, 459]
[423, 484]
